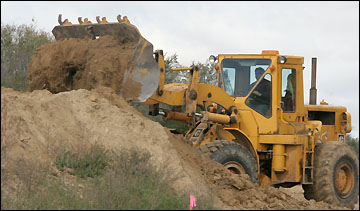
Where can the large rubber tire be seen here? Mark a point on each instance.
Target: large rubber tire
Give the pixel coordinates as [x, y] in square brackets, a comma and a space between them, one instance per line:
[336, 175]
[233, 156]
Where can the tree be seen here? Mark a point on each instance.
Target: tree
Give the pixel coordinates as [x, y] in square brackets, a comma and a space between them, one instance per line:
[207, 74]
[18, 43]
[353, 142]
[172, 76]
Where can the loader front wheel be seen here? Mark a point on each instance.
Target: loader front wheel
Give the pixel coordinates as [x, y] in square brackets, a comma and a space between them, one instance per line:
[336, 178]
[235, 157]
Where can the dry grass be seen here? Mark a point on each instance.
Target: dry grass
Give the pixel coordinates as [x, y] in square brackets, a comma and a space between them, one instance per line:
[104, 180]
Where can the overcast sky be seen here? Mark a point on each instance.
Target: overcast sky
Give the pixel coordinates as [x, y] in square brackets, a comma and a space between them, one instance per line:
[328, 31]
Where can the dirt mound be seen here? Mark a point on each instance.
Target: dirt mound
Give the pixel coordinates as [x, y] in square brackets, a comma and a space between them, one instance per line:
[32, 123]
[73, 64]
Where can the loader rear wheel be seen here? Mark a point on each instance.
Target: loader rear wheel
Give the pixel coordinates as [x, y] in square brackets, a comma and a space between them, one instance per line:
[336, 178]
[235, 157]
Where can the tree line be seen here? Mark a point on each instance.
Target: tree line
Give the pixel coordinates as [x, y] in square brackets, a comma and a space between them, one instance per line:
[18, 43]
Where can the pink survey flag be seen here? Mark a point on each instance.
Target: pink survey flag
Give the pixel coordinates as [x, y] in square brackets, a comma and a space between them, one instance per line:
[192, 202]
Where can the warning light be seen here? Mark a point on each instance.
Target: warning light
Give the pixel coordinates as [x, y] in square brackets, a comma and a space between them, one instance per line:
[270, 52]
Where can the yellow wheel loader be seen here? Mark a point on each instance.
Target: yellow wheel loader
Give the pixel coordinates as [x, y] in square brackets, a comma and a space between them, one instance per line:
[254, 121]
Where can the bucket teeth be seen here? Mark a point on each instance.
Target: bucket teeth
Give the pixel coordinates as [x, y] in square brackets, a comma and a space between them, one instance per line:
[103, 20]
[86, 21]
[119, 18]
[65, 22]
[124, 19]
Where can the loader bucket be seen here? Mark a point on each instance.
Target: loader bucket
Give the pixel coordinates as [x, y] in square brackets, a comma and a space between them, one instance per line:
[142, 70]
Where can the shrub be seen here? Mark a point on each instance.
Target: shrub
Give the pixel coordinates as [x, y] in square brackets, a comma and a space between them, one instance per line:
[354, 143]
[90, 163]
[133, 182]
[18, 43]
[129, 181]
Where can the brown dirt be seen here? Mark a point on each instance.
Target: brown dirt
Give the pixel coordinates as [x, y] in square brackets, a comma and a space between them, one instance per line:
[73, 64]
[32, 123]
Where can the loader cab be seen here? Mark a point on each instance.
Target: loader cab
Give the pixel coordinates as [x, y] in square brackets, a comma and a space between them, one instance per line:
[264, 95]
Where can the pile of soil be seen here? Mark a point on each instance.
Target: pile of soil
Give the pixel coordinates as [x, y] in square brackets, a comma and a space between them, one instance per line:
[33, 122]
[72, 64]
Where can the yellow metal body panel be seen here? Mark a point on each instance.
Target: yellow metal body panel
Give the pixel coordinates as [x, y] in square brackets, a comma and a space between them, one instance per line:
[278, 139]
[331, 132]
[346, 123]
[173, 94]
[292, 171]
[325, 108]
[251, 128]
[161, 65]
[278, 161]
[191, 92]
[217, 94]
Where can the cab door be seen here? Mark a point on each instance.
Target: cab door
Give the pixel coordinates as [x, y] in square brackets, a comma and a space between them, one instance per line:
[261, 101]
[291, 100]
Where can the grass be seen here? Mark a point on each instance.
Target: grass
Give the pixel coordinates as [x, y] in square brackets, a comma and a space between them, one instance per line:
[120, 188]
[90, 163]
[101, 180]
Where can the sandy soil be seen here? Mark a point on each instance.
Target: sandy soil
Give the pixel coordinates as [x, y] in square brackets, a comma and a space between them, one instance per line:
[32, 123]
[72, 64]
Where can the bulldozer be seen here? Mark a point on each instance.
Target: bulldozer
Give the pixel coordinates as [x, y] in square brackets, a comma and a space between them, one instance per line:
[254, 121]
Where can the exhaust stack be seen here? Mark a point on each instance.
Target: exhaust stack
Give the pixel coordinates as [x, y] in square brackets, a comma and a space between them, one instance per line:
[313, 90]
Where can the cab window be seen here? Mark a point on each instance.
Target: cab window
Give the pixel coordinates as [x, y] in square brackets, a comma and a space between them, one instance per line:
[288, 90]
[260, 99]
[239, 74]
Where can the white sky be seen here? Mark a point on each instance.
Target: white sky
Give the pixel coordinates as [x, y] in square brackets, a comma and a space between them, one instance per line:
[195, 30]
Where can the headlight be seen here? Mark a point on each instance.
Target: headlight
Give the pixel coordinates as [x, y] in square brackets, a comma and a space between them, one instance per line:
[282, 59]
[212, 58]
